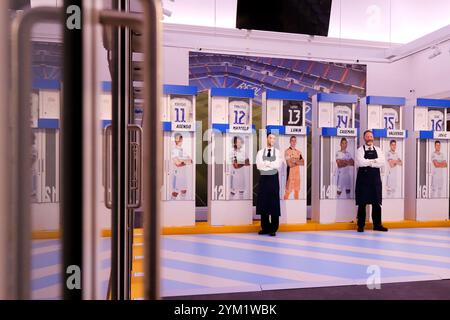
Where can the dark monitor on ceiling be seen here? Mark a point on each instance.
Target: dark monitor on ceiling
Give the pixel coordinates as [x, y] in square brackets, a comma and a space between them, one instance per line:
[311, 17]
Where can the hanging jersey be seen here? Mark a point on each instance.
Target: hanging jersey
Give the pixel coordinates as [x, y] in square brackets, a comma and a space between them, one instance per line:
[180, 110]
[342, 116]
[239, 112]
[390, 118]
[435, 120]
[292, 114]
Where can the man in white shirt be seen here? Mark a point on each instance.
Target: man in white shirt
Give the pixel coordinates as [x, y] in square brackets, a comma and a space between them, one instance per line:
[437, 170]
[393, 167]
[180, 161]
[369, 160]
[268, 162]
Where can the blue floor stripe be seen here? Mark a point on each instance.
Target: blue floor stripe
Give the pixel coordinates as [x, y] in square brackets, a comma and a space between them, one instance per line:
[392, 235]
[46, 259]
[44, 243]
[45, 282]
[223, 272]
[342, 252]
[306, 264]
[167, 284]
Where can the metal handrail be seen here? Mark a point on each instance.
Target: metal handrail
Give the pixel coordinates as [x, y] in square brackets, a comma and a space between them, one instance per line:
[21, 87]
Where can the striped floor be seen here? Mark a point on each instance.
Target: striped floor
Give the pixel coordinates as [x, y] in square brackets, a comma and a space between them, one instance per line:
[222, 263]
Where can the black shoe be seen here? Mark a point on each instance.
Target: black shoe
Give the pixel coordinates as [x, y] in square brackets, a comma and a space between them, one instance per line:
[263, 232]
[380, 228]
[273, 234]
[360, 229]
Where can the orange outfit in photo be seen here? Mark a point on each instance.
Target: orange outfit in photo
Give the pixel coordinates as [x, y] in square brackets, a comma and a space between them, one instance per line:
[293, 160]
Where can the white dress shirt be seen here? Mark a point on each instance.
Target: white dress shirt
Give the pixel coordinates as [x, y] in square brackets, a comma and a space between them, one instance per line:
[268, 165]
[374, 163]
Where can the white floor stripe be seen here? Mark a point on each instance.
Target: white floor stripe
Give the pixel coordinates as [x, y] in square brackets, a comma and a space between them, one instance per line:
[443, 272]
[356, 249]
[287, 274]
[47, 293]
[199, 279]
[46, 271]
[380, 237]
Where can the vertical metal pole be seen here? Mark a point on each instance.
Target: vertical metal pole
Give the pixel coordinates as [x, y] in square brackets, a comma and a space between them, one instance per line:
[72, 150]
[152, 145]
[6, 272]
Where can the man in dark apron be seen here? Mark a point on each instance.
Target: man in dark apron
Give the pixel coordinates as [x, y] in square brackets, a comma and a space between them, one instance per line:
[268, 161]
[369, 160]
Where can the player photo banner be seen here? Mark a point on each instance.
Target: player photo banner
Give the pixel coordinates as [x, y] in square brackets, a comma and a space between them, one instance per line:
[392, 173]
[181, 169]
[293, 170]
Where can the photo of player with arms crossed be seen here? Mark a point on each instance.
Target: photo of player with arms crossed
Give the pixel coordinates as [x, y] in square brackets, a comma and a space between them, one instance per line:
[294, 160]
[438, 170]
[238, 161]
[393, 169]
[182, 163]
[345, 165]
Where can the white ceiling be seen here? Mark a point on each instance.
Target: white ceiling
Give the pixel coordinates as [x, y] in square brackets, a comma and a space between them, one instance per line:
[396, 21]
[392, 21]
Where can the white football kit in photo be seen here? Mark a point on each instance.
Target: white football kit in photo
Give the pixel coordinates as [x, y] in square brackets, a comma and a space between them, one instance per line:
[179, 182]
[237, 175]
[343, 175]
[392, 173]
[437, 175]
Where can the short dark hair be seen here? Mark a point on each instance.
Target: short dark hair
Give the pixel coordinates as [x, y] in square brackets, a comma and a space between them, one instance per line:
[436, 142]
[393, 141]
[178, 135]
[292, 137]
[343, 139]
[367, 131]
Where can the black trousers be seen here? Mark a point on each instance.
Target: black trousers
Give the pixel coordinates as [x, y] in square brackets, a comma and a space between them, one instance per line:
[269, 223]
[376, 215]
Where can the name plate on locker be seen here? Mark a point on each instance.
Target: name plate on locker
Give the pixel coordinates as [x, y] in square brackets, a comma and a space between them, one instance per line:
[396, 134]
[183, 126]
[441, 135]
[240, 128]
[346, 132]
[295, 130]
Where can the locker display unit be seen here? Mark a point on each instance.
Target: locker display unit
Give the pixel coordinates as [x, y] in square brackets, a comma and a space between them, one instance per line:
[385, 117]
[334, 144]
[427, 152]
[230, 168]
[284, 114]
[178, 192]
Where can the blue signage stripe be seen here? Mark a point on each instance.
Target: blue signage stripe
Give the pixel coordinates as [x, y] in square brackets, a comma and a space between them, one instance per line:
[105, 123]
[167, 126]
[439, 103]
[222, 127]
[232, 92]
[48, 123]
[178, 89]
[391, 101]
[276, 129]
[379, 133]
[329, 132]
[287, 95]
[336, 97]
[106, 86]
[46, 84]
[425, 134]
